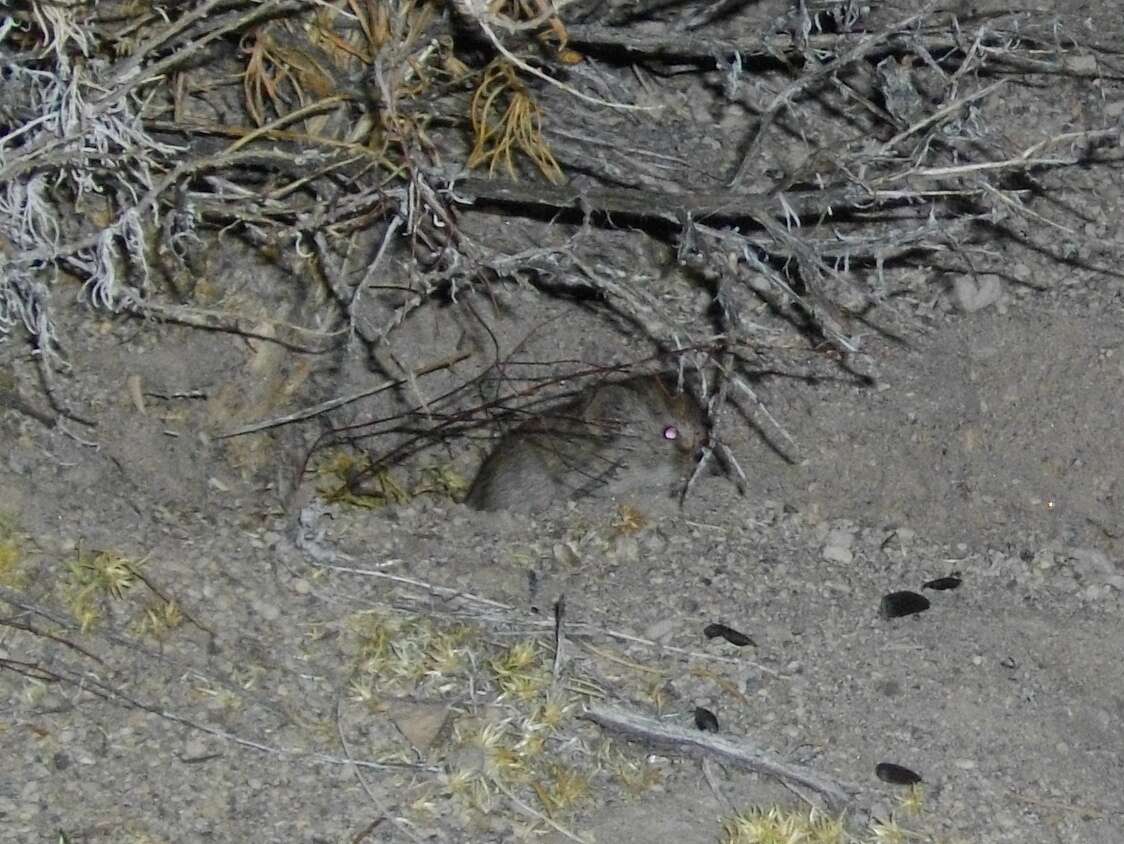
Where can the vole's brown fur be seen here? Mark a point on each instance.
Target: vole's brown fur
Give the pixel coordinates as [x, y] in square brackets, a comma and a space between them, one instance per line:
[637, 436]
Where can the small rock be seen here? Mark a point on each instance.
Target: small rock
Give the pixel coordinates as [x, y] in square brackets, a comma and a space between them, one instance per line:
[420, 723]
[1084, 64]
[626, 549]
[661, 630]
[706, 720]
[905, 602]
[194, 748]
[972, 296]
[565, 554]
[880, 811]
[842, 537]
[1096, 592]
[1089, 562]
[270, 612]
[271, 538]
[1005, 820]
[896, 774]
[20, 464]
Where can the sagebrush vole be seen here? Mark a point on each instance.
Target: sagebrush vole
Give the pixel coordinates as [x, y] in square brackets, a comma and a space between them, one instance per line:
[637, 435]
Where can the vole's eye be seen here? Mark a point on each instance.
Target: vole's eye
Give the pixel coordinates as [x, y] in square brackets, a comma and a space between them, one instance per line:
[671, 433]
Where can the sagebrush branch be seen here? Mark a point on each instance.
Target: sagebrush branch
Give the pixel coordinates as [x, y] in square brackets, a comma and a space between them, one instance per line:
[734, 750]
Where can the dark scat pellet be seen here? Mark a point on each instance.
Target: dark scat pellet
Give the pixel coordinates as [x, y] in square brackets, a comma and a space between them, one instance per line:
[950, 582]
[706, 720]
[734, 637]
[896, 774]
[897, 604]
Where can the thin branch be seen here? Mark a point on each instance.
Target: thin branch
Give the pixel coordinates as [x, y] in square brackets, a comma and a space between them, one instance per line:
[332, 404]
[734, 750]
[293, 337]
[860, 51]
[89, 682]
[656, 205]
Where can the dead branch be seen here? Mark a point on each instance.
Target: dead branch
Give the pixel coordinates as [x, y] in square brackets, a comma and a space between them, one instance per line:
[734, 750]
[807, 80]
[86, 681]
[27, 627]
[290, 336]
[663, 207]
[688, 46]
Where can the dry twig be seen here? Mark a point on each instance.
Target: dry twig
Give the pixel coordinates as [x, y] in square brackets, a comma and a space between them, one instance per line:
[731, 749]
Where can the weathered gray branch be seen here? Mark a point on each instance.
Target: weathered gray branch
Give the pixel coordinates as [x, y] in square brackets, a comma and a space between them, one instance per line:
[735, 750]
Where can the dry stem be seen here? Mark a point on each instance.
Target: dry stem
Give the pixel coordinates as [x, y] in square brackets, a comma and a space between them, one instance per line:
[734, 750]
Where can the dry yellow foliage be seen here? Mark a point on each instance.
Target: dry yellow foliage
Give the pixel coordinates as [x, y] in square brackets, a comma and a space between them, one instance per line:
[505, 119]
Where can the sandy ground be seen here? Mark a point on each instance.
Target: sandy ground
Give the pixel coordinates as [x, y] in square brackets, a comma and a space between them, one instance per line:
[342, 674]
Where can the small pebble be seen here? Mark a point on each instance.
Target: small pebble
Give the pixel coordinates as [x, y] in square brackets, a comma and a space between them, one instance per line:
[660, 630]
[897, 604]
[841, 537]
[896, 774]
[626, 549]
[565, 554]
[734, 637]
[972, 296]
[270, 612]
[706, 720]
[194, 748]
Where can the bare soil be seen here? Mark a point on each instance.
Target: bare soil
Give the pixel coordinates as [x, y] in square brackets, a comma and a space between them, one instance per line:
[987, 443]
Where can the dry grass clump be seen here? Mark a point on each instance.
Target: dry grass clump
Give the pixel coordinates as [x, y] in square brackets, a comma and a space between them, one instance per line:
[510, 740]
[97, 579]
[777, 825]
